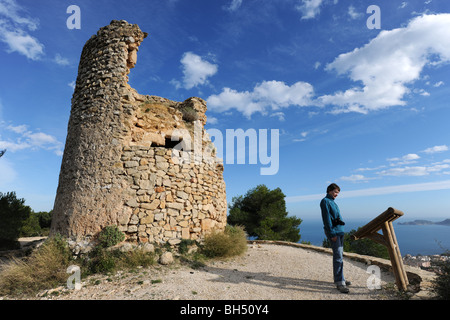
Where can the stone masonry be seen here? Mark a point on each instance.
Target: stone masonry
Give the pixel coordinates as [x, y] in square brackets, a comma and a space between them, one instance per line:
[132, 160]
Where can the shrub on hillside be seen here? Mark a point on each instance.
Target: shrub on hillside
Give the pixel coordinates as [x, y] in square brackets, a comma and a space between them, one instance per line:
[231, 242]
[110, 236]
[13, 213]
[361, 246]
[45, 268]
[441, 284]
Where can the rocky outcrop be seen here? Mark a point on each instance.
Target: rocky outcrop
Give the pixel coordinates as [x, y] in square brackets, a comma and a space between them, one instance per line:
[132, 160]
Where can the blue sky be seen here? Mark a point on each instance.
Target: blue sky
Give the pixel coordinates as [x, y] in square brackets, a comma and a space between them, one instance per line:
[363, 107]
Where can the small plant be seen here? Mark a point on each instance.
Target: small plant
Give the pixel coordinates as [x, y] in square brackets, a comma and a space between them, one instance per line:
[441, 284]
[184, 245]
[189, 114]
[231, 242]
[103, 261]
[106, 261]
[110, 236]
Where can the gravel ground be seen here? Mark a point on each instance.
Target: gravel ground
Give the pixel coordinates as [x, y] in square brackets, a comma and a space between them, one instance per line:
[264, 272]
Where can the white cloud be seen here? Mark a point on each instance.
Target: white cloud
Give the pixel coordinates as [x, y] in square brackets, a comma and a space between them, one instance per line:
[309, 8]
[10, 9]
[414, 171]
[234, 5]
[438, 84]
[21, 42]
[406, 159]
[232, 99]
[353, 14]
[356, 178]
[196, 71]
[212, 120]
[371, 169]
[72, 85]
[14, 31]
[60, 60]
[266, 95]
[17, 129]
[436, 149]
[406, 188]
[389, 63]
[303, 135]
[7, 173]
[26, 139]
[279, 115]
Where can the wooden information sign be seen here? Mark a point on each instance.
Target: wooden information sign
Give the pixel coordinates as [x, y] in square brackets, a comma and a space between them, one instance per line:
[388, 239]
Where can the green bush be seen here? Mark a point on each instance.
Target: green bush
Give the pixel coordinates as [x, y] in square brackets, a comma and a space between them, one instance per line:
[231, 242]
[37, 224]
[441, 284]
[31, 227]
[13, 213]
[110, 236]
[361, 246]
[184, 245]
[106, 261]
[102, 261]
[189, 114]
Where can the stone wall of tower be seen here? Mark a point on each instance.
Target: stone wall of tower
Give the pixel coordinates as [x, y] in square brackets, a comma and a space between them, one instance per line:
[120, 165]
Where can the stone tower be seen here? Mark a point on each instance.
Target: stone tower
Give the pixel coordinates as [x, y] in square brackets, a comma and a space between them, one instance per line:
[133, 160]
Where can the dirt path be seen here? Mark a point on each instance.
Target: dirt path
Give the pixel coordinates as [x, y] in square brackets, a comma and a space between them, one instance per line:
[265, 271]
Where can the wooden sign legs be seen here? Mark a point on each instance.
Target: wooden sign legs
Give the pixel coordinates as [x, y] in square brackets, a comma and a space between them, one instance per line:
[388, 239]
[401, 278]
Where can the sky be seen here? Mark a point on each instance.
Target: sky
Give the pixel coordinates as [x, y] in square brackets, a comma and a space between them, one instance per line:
[350, 92]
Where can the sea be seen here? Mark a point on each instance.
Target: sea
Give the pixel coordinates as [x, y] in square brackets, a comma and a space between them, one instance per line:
[412, 239]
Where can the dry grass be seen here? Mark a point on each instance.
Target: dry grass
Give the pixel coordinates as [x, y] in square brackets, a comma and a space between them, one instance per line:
[231, 242]
[45, 268]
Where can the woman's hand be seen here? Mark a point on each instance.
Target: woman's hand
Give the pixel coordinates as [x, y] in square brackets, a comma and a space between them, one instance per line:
[334, 239]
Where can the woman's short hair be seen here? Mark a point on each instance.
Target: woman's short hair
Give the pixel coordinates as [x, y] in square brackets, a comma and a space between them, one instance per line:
[333, 186]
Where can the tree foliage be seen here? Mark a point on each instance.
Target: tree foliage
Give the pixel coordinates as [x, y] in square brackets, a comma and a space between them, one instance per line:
[263, 214]
[441, 284]
[361, 246]
[37, 224]
[13, 212]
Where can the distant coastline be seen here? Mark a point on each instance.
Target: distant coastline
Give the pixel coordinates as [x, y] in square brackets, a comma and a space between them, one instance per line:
[446, 222]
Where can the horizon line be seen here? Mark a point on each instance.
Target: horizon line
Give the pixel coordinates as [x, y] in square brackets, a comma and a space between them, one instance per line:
[405, 188]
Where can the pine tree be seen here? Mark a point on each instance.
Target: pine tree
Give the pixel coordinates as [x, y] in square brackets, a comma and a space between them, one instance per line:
[263, 214]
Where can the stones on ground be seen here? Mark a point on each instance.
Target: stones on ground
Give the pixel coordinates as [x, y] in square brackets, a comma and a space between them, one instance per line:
[166, 258]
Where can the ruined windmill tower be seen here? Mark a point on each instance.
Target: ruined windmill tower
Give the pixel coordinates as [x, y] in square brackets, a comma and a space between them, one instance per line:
[121, 166]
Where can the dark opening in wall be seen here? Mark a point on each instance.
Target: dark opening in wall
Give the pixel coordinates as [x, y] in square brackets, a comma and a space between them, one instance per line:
[169, 144]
